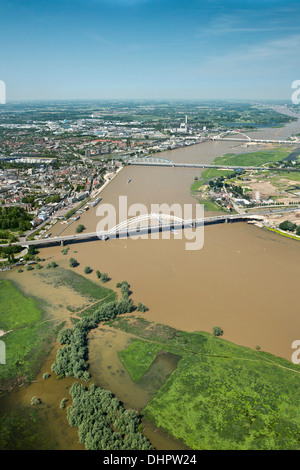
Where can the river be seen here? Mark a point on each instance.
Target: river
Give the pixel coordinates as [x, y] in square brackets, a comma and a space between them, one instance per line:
[244, 279]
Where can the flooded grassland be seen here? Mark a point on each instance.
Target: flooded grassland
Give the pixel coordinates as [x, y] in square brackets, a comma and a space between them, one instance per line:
[62, 303]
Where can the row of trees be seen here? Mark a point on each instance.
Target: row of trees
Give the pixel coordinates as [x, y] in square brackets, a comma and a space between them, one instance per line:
[102, 276]
[71, 358]
[125, 289]
[73, 263]
[103, 423]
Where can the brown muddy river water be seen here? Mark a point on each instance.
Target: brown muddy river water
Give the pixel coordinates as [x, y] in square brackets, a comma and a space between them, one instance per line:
[244, 279]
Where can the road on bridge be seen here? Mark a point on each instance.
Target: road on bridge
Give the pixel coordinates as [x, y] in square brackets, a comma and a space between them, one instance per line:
[138, 230]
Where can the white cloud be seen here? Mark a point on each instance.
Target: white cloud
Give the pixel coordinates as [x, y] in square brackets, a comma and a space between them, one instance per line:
[275, 56]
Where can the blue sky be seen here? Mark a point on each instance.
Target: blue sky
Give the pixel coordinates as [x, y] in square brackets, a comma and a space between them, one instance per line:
[160, 49]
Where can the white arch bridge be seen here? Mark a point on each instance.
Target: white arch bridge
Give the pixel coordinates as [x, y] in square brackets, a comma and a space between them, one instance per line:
[137, 225]
[245, 138]
[225, 133]
[152, 220]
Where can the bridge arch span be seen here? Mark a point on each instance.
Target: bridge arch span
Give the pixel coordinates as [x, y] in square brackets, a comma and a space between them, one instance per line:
[141, 160]
[135, 222]
[223, 134]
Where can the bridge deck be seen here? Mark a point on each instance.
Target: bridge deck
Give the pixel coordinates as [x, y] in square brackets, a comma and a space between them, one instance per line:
[135, 231]
[149, 162]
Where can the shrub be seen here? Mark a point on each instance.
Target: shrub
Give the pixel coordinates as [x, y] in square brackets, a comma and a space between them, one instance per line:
[63, 403]
[35, 401]
[104, 277]
[80, 228]
[142, 308]
[217, 331]
[73, 263]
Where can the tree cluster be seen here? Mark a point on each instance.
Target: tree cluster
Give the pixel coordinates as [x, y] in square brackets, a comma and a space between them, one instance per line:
[71, 358]
[102, 276]
[124, 286]
[142, 308]
[217, 331]
[14, 218]
[55, 198]
[73, 263]
[103, 423]
[80, 228]
[290, 227]
[9, 251]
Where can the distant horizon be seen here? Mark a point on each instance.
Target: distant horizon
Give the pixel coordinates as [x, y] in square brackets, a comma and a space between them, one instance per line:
[160, 100]
[149, 99]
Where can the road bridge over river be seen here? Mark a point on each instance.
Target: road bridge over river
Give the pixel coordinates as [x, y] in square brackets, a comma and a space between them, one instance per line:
[154, 161]
[228, 136]
[146, 224]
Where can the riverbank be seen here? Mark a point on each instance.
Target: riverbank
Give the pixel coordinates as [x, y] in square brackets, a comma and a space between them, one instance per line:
[283, 233]
[108, 178]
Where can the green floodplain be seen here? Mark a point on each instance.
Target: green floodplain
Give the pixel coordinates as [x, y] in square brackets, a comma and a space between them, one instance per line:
[258, 158]
[25, 342]
[28, 326]
[220, 395]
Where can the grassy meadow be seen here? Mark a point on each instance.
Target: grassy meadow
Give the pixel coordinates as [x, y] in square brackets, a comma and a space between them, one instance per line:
[26, 341]
[221, 396]
[258, 158]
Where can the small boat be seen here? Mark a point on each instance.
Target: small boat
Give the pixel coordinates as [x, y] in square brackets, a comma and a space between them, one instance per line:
[128, 181]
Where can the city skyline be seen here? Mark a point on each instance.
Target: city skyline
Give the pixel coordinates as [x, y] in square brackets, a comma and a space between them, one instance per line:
[146, 49]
